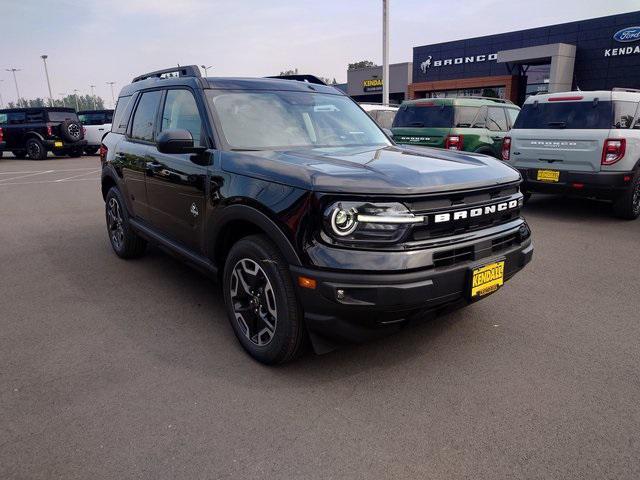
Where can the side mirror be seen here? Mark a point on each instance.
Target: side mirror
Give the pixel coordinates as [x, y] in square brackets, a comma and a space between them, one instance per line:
[177, 141]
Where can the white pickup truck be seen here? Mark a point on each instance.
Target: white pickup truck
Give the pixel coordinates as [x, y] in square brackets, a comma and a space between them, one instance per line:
[96, 124]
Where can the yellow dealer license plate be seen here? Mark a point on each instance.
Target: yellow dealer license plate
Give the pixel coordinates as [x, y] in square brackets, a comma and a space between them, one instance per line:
[487, 279]
[57, 144]
[548, 175]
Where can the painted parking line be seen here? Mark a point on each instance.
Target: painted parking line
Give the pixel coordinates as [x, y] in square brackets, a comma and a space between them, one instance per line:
[97, 180]
[25, 176]
[59, 170]
[77, 176]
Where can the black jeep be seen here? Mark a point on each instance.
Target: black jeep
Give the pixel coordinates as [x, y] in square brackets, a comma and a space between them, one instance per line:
[32, 132]
[318, 225]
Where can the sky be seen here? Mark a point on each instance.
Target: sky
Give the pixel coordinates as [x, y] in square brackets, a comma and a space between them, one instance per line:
[94, 42]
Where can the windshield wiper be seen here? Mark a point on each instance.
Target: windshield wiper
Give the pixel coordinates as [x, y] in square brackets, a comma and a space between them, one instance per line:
[557, 124]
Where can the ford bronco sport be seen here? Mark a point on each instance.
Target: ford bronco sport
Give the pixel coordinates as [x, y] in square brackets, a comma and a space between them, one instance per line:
[318, 225]
[472, 124]
[33, 132]
[580, 143]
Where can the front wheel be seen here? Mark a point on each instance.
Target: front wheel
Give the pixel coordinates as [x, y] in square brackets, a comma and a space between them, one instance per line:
[261, 301]
[628, 205]
[124, 241]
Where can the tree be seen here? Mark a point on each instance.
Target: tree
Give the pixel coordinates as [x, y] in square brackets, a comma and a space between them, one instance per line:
[361, 64]
[85, 102]
[289, 72]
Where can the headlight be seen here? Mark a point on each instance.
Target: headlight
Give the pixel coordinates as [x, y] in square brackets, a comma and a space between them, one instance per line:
[372, 222]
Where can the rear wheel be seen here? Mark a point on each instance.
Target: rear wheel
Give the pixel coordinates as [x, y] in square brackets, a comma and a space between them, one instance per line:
[261, 301]
[35, 149]
[628, 205]
[124, 241]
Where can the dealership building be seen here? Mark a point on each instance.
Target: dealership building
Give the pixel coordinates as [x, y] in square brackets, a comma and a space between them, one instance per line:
[595, 54]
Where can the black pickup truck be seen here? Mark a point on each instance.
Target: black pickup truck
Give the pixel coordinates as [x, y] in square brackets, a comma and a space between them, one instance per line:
[317, 224]
[32, 132]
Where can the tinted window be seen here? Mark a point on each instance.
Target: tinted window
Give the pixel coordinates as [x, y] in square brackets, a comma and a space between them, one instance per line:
[465, 116]
[624, 113]
[62, 116]
[181, 112]
[280, 119]
[424, 115]
[512, 114]
[12, 118]
[496, 120]
[93, 118]
[572, 115]
[122, 114]
[33, 117]
[144, 118]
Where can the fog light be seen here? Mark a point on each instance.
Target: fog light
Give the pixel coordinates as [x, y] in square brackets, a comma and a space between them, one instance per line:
[524, 232]
[340, 294]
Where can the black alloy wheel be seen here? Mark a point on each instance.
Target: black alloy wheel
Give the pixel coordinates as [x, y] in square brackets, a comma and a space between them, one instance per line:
[35, 149]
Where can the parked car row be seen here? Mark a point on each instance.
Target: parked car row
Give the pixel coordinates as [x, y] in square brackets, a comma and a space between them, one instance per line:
[575, 143]
[33, 132]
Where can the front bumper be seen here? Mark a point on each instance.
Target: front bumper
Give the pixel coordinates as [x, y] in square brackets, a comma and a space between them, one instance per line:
[377, 304]
[606, 185]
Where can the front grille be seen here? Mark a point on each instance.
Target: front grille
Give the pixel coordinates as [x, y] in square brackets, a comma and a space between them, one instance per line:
[503, 243]
[454, 256]
[458, 202]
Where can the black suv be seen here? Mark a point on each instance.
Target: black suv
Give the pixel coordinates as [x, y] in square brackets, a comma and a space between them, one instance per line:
[318, 225]
[33, 132]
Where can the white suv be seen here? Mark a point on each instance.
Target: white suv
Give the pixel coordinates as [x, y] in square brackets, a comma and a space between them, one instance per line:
[96, 124]
[582, 143]
[382, 114]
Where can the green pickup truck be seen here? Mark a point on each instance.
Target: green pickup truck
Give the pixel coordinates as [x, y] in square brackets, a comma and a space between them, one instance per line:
[474, 124]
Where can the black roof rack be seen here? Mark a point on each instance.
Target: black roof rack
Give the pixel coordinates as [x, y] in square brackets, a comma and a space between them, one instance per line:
[186, 71]
[300, 78]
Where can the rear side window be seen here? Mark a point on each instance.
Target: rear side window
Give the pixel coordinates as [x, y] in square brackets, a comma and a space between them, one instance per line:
[62, 116]
[93, 118]
[571, 115]
[512, 114]
[624, 113]
[465, 116]
[427, 115]
[181, 112]
[144, 118]
[122, 114]
[12, 118]
[496, 119]
[35, 117]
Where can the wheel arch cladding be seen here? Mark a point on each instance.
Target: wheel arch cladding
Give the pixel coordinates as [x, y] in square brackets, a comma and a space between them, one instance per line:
[32, 134]
[239, 221]
[107, 183]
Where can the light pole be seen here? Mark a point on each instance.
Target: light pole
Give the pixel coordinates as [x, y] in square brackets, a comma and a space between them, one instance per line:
[14, 70]
[75, 93]
[1, 101]
[113, 100]
[63, 95]
[93, 95]
[205, 69]
[385, 52]
[46, 73]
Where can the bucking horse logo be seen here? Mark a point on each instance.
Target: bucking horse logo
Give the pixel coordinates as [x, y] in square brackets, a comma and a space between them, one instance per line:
[425, 65]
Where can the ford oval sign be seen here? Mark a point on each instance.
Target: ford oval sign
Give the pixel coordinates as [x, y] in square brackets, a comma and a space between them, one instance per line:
[629, 34]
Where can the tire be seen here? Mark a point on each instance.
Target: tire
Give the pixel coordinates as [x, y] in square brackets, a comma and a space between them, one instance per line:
[19, 153]
[124, 241]
[91, 151]
[71, 131]
[628, 205]
[75, 152]
[255, 264]
[35, 149]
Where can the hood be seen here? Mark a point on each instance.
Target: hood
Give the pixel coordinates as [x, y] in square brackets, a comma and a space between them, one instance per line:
[393, 169]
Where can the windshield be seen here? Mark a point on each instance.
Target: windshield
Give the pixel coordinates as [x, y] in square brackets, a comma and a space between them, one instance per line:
[422, 115]
[569, 115]
[280, 119]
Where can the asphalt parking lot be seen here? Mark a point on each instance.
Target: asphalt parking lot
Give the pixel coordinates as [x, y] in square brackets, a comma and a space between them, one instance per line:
[116, 369]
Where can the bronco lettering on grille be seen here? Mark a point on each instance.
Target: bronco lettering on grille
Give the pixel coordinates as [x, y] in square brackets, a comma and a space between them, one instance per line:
[476, 212]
